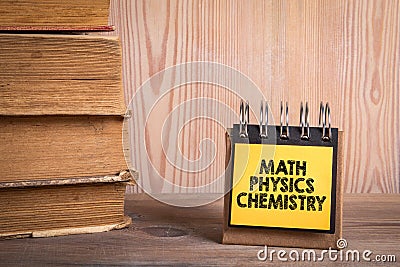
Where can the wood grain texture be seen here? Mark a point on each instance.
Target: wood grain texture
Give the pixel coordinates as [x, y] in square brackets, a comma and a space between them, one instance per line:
[370, 87]
[344, 52]
[165, 235]
[60, 74]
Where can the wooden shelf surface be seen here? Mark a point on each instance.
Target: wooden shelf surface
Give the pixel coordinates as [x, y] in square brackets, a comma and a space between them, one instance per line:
[166, 235]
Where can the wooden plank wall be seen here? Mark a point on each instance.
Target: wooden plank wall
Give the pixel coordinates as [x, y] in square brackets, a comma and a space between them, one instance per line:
[344, 52]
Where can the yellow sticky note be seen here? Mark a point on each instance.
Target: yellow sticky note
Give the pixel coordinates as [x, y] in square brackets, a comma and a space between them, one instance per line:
[283, 186]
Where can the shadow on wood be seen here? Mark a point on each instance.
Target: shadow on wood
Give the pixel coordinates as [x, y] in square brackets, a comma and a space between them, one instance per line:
[162, 220]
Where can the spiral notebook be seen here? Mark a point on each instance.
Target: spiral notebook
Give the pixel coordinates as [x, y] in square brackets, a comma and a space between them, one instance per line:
[284, 181]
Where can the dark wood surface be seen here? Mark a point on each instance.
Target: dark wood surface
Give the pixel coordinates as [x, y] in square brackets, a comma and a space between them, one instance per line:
[166, 235]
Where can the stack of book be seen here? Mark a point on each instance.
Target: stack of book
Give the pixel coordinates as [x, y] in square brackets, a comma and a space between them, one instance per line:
[62, 164]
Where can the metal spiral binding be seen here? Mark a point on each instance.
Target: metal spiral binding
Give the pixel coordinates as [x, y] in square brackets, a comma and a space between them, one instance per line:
[244, 119]
[264, 120]
[325, 121]
[304, 122]
[284, 134]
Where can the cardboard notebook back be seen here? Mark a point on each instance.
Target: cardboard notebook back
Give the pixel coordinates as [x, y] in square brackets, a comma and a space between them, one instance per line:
[247, 231]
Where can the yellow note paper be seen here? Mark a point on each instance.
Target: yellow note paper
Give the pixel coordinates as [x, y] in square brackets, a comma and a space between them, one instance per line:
[290, 188]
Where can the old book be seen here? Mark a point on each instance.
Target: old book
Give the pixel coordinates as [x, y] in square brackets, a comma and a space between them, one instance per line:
[54, 14]
[43, 74]
[51, 147]
[64, 206]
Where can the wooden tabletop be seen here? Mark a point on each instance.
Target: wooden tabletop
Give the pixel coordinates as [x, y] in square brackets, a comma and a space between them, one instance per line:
[166, 235]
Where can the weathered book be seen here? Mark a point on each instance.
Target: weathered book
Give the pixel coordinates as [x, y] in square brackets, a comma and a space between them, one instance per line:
[43, 74]
[53, 15]
[52, 147]
[63, 206]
